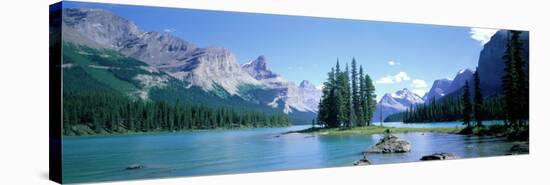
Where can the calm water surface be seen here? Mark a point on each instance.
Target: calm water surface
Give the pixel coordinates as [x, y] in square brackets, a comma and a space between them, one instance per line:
[101, 158]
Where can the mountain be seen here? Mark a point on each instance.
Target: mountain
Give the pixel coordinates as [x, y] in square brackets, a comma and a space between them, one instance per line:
[289, 96]
[490, 68]
[395, 102]
[310, 94]
[258, 69]
[460, 80]
[438, 90]
[179, 66]
[491, 63]
[89, 70]
[208, 68]
[443, 87]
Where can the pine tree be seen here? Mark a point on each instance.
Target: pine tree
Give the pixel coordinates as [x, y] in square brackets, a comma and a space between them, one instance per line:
[511, 82]
[362, 103]
[523, 78]
[355, 98]
[478, 101]
[467, 105]
[371, 99]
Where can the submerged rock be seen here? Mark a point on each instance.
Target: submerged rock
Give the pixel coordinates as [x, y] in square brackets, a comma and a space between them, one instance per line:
[135, 167]
[361, 162]
[439, 156]
[520, 148]
[390, 144]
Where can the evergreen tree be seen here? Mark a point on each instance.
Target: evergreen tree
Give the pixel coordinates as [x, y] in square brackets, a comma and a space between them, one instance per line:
[371, 99]
[511, 80]
[467, 105]
[362, 103]
[355, 95]
[478, 101]
[523, 77]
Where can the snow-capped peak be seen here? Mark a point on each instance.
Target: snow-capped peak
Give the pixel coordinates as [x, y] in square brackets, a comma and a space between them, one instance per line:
[464, 70]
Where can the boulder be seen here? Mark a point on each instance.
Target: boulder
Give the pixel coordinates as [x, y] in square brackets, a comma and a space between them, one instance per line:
[390, 144]
[520, 148]
[361, 162]
[439, 156]
[135, 167]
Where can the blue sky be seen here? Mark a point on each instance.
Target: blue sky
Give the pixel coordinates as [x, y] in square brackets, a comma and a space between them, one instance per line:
[395, 55]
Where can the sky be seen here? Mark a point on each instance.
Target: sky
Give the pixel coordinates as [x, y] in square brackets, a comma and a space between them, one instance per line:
[395, 55]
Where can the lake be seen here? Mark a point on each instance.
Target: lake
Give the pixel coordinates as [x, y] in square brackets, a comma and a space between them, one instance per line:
[102, 158]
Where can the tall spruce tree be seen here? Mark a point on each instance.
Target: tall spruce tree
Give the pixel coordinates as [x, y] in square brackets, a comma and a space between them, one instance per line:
[478, 101]
[356, 100]
[511, 80]
[523, 78]
[371, 99]
[467, 105]
[346, 96]
[362, 107]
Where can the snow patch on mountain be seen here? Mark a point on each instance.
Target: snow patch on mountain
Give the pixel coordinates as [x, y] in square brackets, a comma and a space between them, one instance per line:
[396, 102]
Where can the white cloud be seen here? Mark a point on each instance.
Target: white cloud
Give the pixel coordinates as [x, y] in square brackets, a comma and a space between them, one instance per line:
[419, 87]
[385, 80]
[417, 84]
[419, 92]
[393, 63]
[483, 35]
[398, 78]
[401, 76]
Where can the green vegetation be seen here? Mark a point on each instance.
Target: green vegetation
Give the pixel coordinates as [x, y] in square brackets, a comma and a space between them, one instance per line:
[347, 101]
[105, 113]
[512, 133]
[515, 83]
[479, 110]
[101, 95]
[374, 130]
[466, 105]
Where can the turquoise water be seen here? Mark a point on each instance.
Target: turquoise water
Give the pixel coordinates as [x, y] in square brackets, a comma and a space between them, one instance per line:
[102, 158]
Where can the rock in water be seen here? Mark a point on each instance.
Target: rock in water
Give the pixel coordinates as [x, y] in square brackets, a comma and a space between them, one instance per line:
[439, 156]
[361, 162]
[391, 144]
[135, 167]
[521, 148]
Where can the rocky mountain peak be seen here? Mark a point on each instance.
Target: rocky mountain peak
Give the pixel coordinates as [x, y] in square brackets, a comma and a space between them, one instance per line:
[306, 85]
[101, 26]
[258, 69]
[438, 90]
[460, 79]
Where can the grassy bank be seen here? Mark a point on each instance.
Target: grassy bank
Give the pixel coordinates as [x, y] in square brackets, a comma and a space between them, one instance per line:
[374, 130]
[512, 133]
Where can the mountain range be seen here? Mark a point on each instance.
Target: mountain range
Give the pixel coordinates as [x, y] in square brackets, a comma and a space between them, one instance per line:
[171, 62]
[490, 69]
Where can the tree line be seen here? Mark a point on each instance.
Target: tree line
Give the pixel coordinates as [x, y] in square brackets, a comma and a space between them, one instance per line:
[348, 98]
[105, 112]
[469, 105]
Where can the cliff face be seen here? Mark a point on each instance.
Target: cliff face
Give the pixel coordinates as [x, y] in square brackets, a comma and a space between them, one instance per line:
[491, 63]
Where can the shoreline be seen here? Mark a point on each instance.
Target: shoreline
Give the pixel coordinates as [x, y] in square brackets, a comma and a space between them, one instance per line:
[371, 130]
[153, 132]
